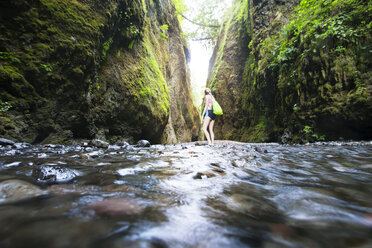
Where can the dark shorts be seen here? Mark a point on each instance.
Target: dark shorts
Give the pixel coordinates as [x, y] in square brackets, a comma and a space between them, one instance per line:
[210, 114]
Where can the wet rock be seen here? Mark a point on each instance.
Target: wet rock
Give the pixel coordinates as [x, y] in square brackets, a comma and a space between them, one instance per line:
[115, 206]
[219, 171]
[129, 148]
[251, 205]
[42, 155]
[143, 143]
[215, 165]
[88, 149]
[238, 163]
[85, 144]
[94, 154]
[252, 156]
[6, 142]
[123, 144]
[260, 150]
[120, 188]
[73, 39]
[54, 174]
[114, 147]
[286, 137]
[12, 152]
[204, 175]
[99, 143]
[65, 189]
[20, 145]
[16, 190]
[14, 164]
[53, 146]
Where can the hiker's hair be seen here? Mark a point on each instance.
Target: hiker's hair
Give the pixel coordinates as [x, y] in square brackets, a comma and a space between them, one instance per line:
[207, 91]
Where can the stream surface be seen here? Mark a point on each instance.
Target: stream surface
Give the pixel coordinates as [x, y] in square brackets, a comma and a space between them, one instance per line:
[187, 195]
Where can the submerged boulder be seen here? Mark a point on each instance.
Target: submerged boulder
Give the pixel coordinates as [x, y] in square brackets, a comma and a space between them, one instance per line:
[16, 190]
[115, 206]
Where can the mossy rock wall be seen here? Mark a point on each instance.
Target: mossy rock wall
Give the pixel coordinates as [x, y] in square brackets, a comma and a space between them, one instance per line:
[303, 72]
[85, 69]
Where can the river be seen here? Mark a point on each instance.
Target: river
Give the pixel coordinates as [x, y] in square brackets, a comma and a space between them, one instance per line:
[187, 195]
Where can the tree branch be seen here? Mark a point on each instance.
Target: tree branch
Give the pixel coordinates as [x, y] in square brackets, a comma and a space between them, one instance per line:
[199, 24]
[207, 38]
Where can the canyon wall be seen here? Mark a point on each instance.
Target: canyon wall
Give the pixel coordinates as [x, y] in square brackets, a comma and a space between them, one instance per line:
[114, 70]
[294, 71]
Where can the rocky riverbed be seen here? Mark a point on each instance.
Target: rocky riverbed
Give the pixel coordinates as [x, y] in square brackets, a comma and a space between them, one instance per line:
[186, 195]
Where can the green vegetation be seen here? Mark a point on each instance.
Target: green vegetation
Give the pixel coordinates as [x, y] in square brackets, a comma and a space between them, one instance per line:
[319, 60]
[76, 68]
[163, 32]
[153, 85]
[5, 56]
[5, 106]
[106, 47]
[310, 134]
[180, 8]
[304, 67]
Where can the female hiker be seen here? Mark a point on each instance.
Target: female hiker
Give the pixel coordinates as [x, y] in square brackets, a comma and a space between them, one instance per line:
[208, 116]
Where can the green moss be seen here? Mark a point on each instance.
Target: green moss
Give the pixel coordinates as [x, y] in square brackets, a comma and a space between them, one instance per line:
[6, 124]
[10, 73]
[153, 83]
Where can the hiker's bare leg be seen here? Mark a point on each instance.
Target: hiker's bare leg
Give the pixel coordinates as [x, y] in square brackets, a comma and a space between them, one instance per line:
[211, 133]
[206, 121]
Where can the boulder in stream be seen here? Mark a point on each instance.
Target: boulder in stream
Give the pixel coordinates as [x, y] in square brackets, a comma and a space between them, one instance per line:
[54, 174]
[99, 143]
[6, 142]
[115, 206]
[123, 144]
[252, 205]
[143, 143]
[15, 190]
[204, 175]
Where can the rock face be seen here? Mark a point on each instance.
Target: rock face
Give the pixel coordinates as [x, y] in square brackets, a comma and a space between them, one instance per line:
[291, 71]
[110, 70]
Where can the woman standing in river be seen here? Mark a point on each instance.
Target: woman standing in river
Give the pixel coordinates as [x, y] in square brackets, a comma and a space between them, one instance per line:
[208, 116]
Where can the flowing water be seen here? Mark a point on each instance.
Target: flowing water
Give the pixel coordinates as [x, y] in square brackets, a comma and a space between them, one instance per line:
[187, 195]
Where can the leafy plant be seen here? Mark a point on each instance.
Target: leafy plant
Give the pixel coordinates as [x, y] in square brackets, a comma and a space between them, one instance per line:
[318, 138]
[45, 67]
[106, 47]
[5, 106]
[308, 130]
[296, 109]
[9, 57]
[163, 31]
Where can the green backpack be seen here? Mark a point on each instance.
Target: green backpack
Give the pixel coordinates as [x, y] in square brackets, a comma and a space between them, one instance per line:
[217, 110]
